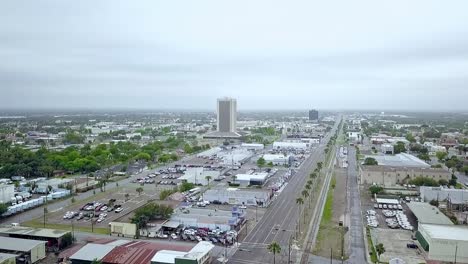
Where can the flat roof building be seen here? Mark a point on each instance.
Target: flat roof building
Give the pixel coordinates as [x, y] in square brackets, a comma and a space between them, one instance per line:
[257, 178]
[200, 254]
[237, 196]
[208, 218]
[428, 214]
[444, 242]
[33, 250]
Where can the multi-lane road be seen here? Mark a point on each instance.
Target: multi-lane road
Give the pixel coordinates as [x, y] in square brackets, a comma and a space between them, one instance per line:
[279, 222]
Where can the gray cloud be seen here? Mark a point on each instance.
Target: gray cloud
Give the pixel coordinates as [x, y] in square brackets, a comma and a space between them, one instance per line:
[154, 54]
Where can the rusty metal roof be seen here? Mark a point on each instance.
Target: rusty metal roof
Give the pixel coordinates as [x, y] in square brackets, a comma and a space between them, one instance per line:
[140, 252]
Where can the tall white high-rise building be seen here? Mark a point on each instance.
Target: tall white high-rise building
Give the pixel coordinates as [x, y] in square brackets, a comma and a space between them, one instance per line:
[227, 115]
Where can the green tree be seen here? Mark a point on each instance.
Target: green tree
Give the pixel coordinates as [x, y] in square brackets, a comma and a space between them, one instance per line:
[3, 208]
[380, 249]
[410, 138]
[375, 189]
[274, 248]
[399, 147]
[185, 186]
[143, 156]
[261, 162]
[139, 190]
[441, 155]
[370, 161]
[424, 157]
[319, 166]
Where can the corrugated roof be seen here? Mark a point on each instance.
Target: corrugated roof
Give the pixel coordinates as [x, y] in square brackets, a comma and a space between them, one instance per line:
[167, 256]
[18, 244]
[29, 231]
[428, 214]
[92, 251]
[140, 252]
[448, 232]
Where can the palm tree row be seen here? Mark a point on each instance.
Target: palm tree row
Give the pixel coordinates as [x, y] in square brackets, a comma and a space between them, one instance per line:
[307, 192]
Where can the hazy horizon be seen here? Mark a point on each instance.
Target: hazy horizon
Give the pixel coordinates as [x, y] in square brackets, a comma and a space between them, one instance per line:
[149, 55]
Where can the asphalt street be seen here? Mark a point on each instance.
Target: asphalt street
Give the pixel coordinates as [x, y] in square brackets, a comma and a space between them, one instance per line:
[356, 231]
[279, 222]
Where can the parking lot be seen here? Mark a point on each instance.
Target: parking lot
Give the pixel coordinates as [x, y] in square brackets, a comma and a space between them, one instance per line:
[395, 242]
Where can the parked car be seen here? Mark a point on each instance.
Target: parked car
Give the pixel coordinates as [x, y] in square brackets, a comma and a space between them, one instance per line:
[118, 210]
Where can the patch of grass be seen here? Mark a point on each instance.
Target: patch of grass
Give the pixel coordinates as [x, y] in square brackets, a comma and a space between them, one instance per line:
[328, 208]
[37, 223]
[373, 254]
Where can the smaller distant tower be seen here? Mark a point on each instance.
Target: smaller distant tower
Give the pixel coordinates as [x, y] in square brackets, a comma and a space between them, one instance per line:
[313, 115]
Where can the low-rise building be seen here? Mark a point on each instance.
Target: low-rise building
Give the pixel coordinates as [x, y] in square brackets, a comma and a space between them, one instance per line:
[257, 178]
[253, 146]
[200, 254]
[391, 176]
[198, 175]
[291, 145]
[209, 218]
[33, 250]
[53, 237]
[445, 243]
[277, 159]
[237, 196]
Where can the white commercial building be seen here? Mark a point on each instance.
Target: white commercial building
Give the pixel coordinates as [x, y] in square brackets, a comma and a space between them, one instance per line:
[235, 157]
[7, 191]
[198, 175]
[237, 196]
[277, 159]
[199, 254]
[444, 242]
[257, 178]
[253, 146]
[290, 145]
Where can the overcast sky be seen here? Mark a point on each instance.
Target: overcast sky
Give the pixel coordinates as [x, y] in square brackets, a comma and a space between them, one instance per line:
[378, 55]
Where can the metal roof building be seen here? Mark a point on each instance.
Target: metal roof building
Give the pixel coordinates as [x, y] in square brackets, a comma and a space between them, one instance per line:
[399, 160]
[444, 242]
[91, 252]
[428, 214]
[139, 252]
[32, 232]
[33, 248]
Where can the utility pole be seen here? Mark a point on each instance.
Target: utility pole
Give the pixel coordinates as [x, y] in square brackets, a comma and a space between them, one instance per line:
[289, 250]
[331, 255]
[456, 248]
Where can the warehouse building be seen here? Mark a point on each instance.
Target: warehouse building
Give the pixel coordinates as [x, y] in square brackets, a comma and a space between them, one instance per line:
[457, 199]
[257, 178]
[236, 196]
[31, 250]
[198, 175]
[428, 214]
[209, 218]
[446, 243]
[252, 146]
[391, 176]
[290, 145]
[53, 237]
[200, 254]
[277, 159]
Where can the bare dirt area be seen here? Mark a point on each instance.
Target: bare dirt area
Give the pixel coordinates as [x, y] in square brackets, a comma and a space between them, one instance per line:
[331, 234]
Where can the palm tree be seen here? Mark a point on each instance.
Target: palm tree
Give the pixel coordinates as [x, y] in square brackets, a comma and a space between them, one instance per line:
[310, 182]
[319, 165]
[305, 193]
[208, 178]
[380, 249]
[274, 248]
[300, 202]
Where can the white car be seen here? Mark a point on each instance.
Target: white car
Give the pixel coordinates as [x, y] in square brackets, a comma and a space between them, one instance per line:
[174, 236]
[118, 210]
[243, 207]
